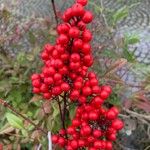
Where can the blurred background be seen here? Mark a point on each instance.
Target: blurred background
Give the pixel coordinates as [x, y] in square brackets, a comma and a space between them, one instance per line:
[121, 47]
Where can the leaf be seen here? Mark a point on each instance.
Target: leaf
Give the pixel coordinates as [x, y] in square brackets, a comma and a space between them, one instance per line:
[120, 14]
[55, 110]
[72, 110]
[32, 38]
[6, 129]
[133, 39]
[14, 121]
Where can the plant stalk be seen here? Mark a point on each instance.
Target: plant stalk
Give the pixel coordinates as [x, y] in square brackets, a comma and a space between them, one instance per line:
[54, 10]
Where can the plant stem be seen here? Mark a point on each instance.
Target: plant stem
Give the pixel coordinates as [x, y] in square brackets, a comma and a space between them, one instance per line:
[65, 110]
[61, 114]
[5, 104]
[54, 10]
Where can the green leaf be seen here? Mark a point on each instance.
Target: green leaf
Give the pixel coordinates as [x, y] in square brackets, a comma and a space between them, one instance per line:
[120, 14]
[133, 39]
[72, 109]
[55, 110]
[14, 121]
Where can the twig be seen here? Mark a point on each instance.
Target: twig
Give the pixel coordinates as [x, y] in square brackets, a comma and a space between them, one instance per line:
[49, 141]
[61, 115]
[54, 10]
[5, 104]
[137, 115]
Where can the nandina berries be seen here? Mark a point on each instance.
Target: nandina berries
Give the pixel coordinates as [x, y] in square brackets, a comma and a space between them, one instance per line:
[65, 74]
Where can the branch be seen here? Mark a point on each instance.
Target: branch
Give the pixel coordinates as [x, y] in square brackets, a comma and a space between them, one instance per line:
[5, 104]
[54, 10]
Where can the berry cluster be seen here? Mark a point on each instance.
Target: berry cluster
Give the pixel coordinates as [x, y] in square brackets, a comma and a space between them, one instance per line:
[66, 71]
[93, 127]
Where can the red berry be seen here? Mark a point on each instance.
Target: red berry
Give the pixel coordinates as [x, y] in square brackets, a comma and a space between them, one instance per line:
[104, 94]
[74, 95]
[81, 143]
[61, 141]
[35, 76]
[82, 2]
[65, 87]
[56, 90]
[78, 44]
[108, 145]
[87, 36]
[74, 32]
[75, 57]
[111, 115]
[93, 116]
[36, 83]
[97, 133]
[98, 144]
[86, 91]
[88, 17]
[117, 124]
[63, 39]
[86, 49]
[55, 139]
[47, 95]
[78, 10]
[74, 144]
[86, 130]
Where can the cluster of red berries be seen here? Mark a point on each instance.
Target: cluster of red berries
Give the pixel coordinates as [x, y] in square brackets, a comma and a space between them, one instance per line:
[93, 127]
[66, 70]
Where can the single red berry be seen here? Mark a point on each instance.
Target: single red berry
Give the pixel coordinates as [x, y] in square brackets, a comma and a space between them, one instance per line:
[108, 145]
[98, 144]
[47, 95]
[87, 36]
[74, 144]
[104, 94]
[117, 124]
[63, 39]
[61, 141]
[75, 57]
[93, 116]
[74, 32]
[97, 133]
[55, 138]
[88, 17]
[82, 2]
[86, 91]
[65, 87]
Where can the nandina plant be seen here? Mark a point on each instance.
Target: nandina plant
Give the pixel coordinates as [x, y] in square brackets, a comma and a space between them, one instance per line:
[66, 74]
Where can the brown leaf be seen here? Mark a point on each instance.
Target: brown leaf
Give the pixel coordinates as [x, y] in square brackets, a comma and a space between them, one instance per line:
[47, 107]
[35, 98]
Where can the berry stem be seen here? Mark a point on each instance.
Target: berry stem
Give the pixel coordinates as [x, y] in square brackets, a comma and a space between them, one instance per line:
[54, 10]
[61, 113]
[65, 110]
[5, 104]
